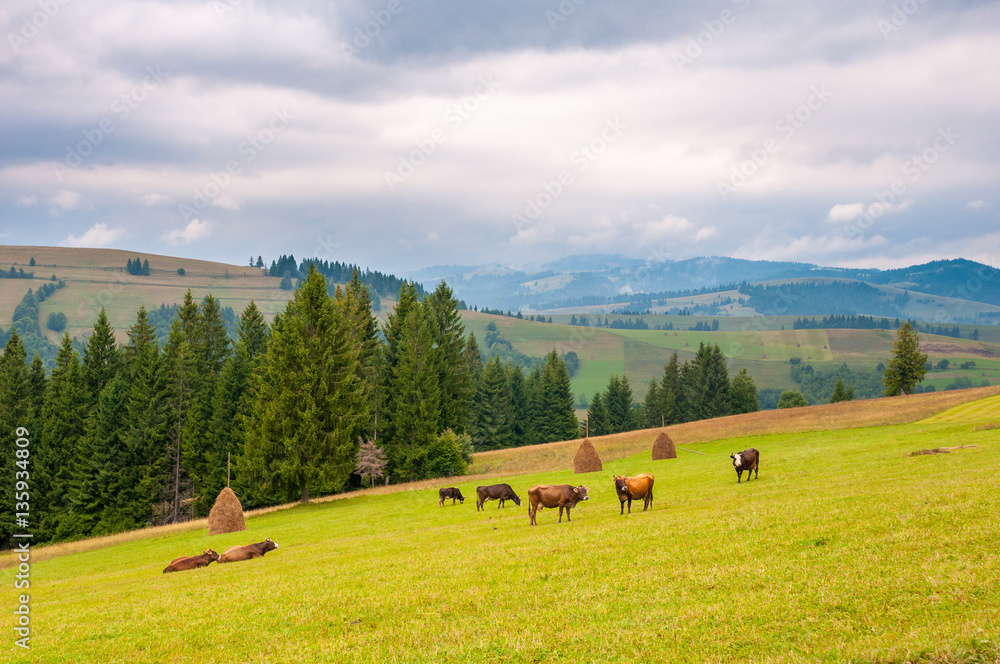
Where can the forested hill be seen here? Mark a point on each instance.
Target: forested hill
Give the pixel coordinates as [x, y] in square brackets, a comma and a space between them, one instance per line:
[950, 291]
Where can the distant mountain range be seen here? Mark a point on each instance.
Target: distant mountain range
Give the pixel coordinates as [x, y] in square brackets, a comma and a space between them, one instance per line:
[949, 291]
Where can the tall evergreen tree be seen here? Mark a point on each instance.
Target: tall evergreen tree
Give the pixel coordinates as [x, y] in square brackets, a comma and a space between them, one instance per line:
[620, 403]
[449, 344]
[598, 421]
[743, 393]
[520, 404]
[14, 411]
[670, 392]
[494, 412]
[310, 412]
[555, 418]
[907, 365]
[101, 358]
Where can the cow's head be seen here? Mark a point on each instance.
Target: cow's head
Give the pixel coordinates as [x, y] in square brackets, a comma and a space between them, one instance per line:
[269, 544]
[517, 500]
[211, 554]
[581, 493]
[737, 459]
[620, 487]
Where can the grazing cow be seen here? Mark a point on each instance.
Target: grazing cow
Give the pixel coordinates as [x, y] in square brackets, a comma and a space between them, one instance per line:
[635, 488]
[560, 495]
[256, 550]
[207, 557]
[450, 492]
[501, 492]
[746, 460]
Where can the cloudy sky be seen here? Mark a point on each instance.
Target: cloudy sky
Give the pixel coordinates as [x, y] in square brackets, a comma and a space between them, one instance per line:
[402, 134]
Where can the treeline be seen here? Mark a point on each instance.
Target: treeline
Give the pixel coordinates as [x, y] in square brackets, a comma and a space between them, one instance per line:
[378, 283]
[637, 301]
[126, 436]
[873, 323]
[838, 297]
[819, 385]
[698, 389]
[25, 319]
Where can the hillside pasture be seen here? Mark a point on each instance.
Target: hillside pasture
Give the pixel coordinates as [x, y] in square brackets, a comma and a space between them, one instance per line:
[845, 549]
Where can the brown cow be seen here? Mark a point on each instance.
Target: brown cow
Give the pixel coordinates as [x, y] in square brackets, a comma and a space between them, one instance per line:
[450, 492]
[207, 557]
[634, 488]
[256, 550]
[560, 495]
[746, 460]
[499, 492]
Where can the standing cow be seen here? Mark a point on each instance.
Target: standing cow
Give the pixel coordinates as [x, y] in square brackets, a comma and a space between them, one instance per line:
[746, 460]
[256, 550]
[635, 488]
[560, 495]
[450, 492]
[207, 557]
[501, 492]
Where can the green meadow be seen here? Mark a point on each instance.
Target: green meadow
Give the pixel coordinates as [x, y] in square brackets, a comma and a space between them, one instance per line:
[846, 548]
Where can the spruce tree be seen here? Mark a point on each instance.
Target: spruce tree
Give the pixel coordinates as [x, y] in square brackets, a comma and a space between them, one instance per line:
[906, 367]
[494, 412]
[309, 411]
[670, 391]
[556, 419]
[14, 412]
[652, 405]
[743, 393]
[520, 404]
[251, 331]
[454, 379]
[101, 357]
[598, 423]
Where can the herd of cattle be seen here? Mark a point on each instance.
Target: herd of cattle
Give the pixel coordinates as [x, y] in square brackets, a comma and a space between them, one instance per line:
[567, 496]
[563, 496]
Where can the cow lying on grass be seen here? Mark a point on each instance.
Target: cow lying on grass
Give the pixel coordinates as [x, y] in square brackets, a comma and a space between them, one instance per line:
[450, 492]
[256, 550]
[639, 487]
[207, 557]
[746, 460]
[560, 495]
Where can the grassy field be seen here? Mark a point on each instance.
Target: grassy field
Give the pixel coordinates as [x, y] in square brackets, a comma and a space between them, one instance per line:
[845, 549]
[642, 354]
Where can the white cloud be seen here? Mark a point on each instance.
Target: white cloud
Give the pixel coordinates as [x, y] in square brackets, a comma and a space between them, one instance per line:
[65, 199]
[195, 230]
[26, 201]
[228, 202]
[670, 226]
[706, 233]
[977, 205]
[149, 200]
[98, 235]
[843, 212]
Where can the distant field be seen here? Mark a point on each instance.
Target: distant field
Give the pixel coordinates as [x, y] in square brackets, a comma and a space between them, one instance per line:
[642, 354]
[846, 548]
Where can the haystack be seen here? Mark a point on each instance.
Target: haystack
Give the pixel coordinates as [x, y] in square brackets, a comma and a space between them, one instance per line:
[586, 459]
[226, 515]
[663, 447]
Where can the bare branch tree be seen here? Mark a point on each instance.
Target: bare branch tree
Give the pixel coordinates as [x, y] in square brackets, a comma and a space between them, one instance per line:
[371, 461]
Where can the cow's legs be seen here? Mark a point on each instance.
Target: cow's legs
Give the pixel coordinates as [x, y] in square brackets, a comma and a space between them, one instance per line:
[623, 508]
[567, 513]
[560, 514]
[630, 504]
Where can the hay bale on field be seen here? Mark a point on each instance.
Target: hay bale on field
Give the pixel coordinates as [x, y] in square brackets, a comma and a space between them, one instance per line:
[226, 515]
[586, 459]
[663, 447]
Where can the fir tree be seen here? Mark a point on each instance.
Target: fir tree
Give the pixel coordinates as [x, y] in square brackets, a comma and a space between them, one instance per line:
[520, 405]
[494, 412]
[652, 406]
[449, 343]
[598, 422]
[670, 392]
[310, 411]
[14, 391]
[743, 393]
[555, 418]
[101, 358]
[906, 367]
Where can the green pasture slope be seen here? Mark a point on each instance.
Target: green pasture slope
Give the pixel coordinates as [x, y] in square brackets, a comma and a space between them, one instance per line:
[845, 549]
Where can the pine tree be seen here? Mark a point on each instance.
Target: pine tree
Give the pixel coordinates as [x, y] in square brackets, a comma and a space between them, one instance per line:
[743, 393]
[310, 411]
[906, 367]
[520, 404]
[251, 331]
[101, 357]
[598, 421]
[555, 418]
[181, 381]
[454, 378]
[494, 428]
[652, 405]
[14, 411]
[670, 392]
[715, 383]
